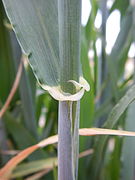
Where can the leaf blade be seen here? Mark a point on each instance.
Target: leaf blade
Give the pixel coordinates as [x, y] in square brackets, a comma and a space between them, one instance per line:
[37, 37]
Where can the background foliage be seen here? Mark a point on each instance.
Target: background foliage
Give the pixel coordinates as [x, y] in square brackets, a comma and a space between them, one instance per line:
[32, 114]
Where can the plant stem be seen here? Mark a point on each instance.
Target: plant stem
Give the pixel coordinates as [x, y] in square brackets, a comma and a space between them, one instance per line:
[69, 13]
[68, 140]
[64, 143]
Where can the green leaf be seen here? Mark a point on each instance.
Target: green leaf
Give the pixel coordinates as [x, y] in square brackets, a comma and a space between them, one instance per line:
[122, 6]
[87, 103]
[128, 154]
[27, 102]
[126, 26]
[100, 144]
[114, 60]
[114, 161]
[27, 87]
[33, 167]
[22, 137]
[36, 26]
[7, 73]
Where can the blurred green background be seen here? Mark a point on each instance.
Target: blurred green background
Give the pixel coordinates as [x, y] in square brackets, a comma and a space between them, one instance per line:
[108, 62]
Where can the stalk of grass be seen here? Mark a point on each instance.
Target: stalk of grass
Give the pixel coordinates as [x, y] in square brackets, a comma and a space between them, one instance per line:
[69, 15]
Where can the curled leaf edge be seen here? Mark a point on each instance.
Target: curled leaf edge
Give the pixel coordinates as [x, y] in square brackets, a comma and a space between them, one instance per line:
[57, 93]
